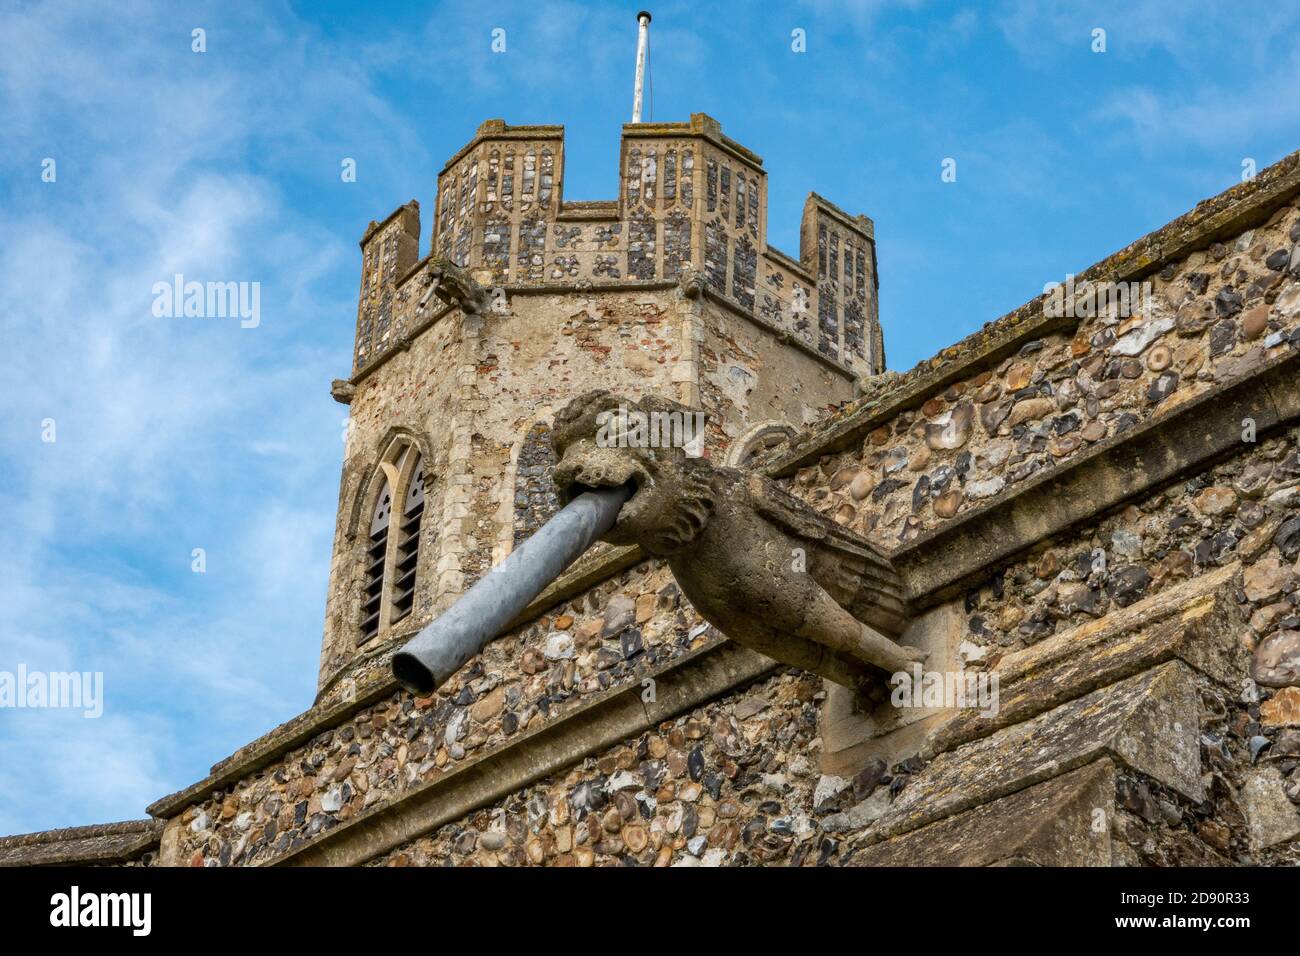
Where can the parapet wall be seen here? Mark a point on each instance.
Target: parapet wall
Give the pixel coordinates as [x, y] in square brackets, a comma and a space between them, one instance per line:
[690, 200]
[1036, 390]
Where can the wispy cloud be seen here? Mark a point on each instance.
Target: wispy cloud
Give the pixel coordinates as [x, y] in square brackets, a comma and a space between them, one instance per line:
[169, 162]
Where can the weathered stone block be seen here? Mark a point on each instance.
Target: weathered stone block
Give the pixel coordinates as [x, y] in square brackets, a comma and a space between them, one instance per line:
[1270, 816]
[1054, 823]
[1197, 621]
[851, 735]
[1150, 723]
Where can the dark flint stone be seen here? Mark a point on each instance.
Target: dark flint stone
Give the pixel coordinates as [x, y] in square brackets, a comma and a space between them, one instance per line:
[713, 785]
[1227, 302]
[1128, 584]
[690, 821]
[631, 642]
[1065, 424]
[886, 487]
[1287, 537]
[695, 764]
[587, 797]
[920, 491]
[1223, 337]
[826, 851]
[1162, 387]
[652, 773]
[1215, 549]
[995, 413]
[1103, 339]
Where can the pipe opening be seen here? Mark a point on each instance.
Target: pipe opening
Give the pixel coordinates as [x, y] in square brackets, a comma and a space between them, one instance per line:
[413, 675]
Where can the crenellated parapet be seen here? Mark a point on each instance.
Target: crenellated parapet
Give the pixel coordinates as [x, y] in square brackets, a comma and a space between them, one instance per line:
[690, 199]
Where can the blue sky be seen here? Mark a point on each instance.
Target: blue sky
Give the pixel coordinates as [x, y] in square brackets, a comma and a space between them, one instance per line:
[175, 434]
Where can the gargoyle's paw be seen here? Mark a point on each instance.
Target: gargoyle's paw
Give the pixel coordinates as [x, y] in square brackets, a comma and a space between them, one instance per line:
[914, 653]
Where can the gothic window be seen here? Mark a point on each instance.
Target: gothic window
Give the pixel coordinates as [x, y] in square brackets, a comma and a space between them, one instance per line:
[408, 543]
[372, 591]
[392, 547]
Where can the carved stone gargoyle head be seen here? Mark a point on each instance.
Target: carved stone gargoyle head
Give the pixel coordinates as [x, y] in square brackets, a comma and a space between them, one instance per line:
[454, 286]
[602, 440]
[755, 561]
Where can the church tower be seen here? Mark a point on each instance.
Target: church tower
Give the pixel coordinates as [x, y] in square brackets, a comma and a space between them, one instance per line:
[525, 300]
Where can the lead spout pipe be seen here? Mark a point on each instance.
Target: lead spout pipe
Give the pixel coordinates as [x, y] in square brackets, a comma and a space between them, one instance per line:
[497, 598]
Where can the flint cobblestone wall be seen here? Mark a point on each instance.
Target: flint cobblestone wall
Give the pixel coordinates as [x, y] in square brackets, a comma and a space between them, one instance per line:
[1216, 315]
[610, 635]
[731, 784]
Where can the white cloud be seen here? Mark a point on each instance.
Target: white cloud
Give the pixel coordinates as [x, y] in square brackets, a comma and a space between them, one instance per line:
[171, 433]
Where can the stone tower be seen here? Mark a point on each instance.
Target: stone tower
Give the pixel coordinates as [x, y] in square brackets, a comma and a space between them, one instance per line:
[672, 288]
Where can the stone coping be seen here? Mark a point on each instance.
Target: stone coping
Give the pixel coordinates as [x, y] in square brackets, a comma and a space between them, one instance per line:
[1226, 214]
[97, 843]
[862, 225]
[411, 205]
[499, 129]
[788, 261]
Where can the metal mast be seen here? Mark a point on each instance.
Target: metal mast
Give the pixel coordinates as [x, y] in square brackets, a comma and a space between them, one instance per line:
[642, 38]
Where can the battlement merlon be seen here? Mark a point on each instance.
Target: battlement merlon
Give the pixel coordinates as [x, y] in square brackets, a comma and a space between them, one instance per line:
[389, 249]
[690, 200]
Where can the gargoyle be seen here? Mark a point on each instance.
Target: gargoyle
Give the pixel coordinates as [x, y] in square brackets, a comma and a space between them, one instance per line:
[755, 561]
[454, 286]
